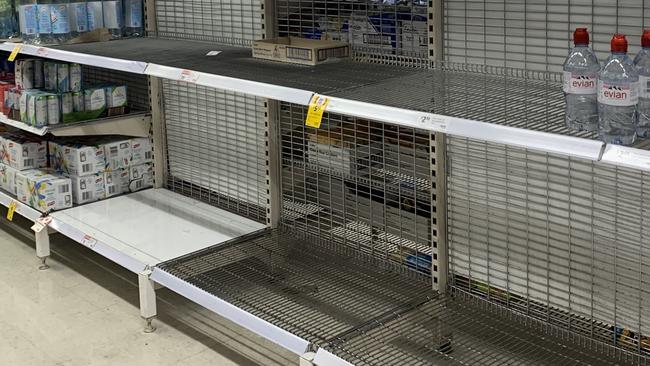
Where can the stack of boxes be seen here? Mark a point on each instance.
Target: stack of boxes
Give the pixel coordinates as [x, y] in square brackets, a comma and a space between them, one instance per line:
[104, 167]
[22, 174]
[49, 93]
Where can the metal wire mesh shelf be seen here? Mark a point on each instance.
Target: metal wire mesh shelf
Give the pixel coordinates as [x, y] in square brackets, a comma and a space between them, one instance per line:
[313, 291]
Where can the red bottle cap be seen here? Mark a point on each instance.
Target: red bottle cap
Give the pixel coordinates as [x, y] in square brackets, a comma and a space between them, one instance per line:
[645, 38]
[619, 43]
[580, 36]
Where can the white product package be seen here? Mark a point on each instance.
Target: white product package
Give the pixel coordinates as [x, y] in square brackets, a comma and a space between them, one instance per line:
[43, 191]
[88, 189]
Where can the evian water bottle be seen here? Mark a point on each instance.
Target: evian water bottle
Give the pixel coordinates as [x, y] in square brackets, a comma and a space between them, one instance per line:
[580, 84]
[642, 63]
[618, 95]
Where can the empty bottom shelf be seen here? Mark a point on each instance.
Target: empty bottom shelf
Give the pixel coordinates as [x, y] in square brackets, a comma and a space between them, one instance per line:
[363, 311]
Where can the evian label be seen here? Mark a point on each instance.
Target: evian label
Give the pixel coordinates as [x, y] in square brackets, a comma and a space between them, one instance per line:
[574, 83]
[623, 95]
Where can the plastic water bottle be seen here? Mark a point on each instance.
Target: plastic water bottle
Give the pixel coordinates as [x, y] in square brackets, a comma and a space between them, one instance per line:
[618, 95]
[28, 20]
[642, 63]
[60, 16]
[7, 19]
[133, 15]
[580, 84]
[44, 21]
[78, 14]
[95, 14]
[113, 19]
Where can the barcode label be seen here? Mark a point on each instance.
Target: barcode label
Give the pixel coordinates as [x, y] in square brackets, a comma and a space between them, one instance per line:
[85, 196]
[112, 189]
[64, 189]
[332, 52]
[148, 155]
[86, 168]
[113, 151]
[28, 162]
[299, 53]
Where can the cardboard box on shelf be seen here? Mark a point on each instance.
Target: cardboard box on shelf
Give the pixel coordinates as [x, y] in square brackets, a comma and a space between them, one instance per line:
[116, 182]
[8, 178]
[88, 189]
[43, 191]
[141, 151]
[393, 33]
[300, 50]
[77, 159]
[22, 152]
[118, 153]
[141, 177]
[342, 151]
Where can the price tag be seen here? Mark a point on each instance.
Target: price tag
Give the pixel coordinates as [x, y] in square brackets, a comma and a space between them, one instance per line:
[12, 210]
[89, 241]
[41, 224]
[317, 106]
[189, 76]
[15, 52]
[41, 52]
[437, 123]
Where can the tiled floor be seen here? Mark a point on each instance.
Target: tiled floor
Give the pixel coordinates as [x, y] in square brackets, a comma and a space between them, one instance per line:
[84, 311]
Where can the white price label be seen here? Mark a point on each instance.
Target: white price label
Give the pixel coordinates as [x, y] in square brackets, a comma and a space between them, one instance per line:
[437, 123]
[42, 52]
[89, 241]
[213, 53]
[41, 224]
[189, 76]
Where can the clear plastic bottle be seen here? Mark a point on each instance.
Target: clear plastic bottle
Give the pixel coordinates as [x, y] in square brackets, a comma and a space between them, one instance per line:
[60, 16]
[45, 21]
[133, 25]
[618, 95]
[78, 14]
[28, 20]
[580, 84]
[642, 63]
[113, 19]
[95, 15]
[7, 19]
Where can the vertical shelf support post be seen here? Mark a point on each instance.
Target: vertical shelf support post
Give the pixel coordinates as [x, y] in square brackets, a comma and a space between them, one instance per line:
[148, 309]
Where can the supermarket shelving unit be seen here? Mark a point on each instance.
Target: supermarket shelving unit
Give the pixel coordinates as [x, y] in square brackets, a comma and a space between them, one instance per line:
[536, 240]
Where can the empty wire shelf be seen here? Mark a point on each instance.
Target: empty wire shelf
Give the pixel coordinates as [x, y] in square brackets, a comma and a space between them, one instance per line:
[313, 291]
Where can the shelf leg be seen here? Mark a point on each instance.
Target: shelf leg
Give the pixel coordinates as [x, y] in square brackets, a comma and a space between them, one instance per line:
[42, 248]
[148, 309]
[307, 359]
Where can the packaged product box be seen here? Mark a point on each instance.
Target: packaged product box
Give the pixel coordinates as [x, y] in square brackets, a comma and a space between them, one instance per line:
[39, 81]
[76, 77]
[332, 28]
[89, 188]
[393, 33]
[37, 107]
[116, 182]
[43, 191]
[22, 152]
[141, 177]
[22, 106]
[77, 159]
[94, 102]
[24, 73]
[342, 151]
[8, 178]
[5, 88]
[118, 153]
[141, 151]
[300, 50]
[50, 75]
[116, 99]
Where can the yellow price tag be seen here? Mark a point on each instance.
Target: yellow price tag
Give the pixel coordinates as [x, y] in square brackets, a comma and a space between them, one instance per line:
[15, 52]
[317, 106]
[12, 209]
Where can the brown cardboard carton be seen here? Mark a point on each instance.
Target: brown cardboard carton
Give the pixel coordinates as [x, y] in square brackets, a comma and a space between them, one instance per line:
[300, 50]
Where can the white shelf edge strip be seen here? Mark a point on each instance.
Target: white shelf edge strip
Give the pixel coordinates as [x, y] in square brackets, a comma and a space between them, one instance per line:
[553, 143]
[23, 126]
[291, 95]
[325, 358]
[627, 157]
[97, 246]
[259, 326]
[21, 208]
[136, 67]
